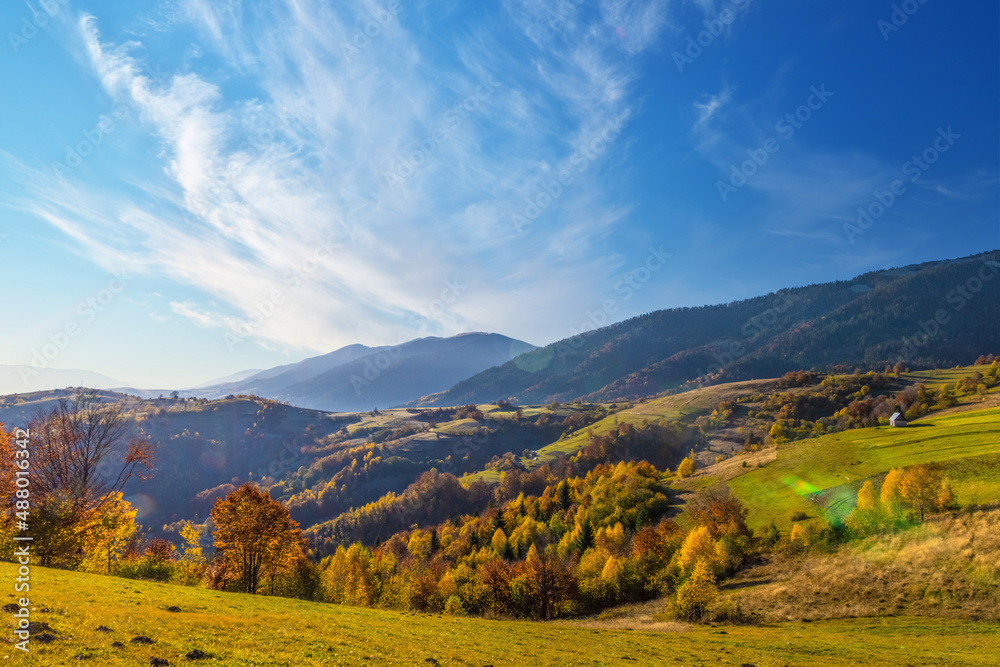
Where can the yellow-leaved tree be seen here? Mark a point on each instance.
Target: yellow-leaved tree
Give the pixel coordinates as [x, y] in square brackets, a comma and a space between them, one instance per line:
[695, 594]
[499, 543]
[892, 493]
[613, 539]
[192, 561]
[686, 467]
[921, 485]
[110, 534]
[946, 498]
[547, 581]
[83, 452]
[868, 516]
[351, 576]
[699, 545]
[420, 544]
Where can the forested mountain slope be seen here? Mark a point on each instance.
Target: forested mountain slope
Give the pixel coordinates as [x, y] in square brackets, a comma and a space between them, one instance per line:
[936, 314]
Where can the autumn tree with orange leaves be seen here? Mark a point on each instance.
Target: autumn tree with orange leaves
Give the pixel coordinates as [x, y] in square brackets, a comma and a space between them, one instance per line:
[255, 535]
[7, 488]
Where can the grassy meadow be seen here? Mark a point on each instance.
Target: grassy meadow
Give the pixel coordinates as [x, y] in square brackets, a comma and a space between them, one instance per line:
[237, 629]
[837, 463]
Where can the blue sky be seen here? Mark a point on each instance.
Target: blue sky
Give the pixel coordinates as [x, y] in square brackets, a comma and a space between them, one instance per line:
[193, 188]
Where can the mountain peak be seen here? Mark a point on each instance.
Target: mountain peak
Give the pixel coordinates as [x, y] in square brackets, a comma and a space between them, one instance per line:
[357, 377]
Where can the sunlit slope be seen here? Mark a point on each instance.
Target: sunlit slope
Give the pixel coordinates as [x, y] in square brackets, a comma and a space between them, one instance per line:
[686, 405]
[235, 629]
[968, 443]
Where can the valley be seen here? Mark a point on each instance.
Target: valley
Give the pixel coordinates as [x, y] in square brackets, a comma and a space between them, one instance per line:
[386, 480]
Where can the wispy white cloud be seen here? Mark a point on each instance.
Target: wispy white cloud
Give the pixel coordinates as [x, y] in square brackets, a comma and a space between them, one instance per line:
[190, 311]
[278, 184]
[711, 105]
[637, 24]
[808, 190]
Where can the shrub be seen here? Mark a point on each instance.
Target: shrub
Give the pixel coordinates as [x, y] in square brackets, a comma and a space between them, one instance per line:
[771, 536]
[868, 516]
[686, 468]
[732, 551]
[732, 613]
[146, 568]
[221, 577]
[453, 606]
[694, 596]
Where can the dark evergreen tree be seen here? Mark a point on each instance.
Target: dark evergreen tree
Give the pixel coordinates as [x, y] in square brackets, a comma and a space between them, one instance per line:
[585, 539]
[563, 496]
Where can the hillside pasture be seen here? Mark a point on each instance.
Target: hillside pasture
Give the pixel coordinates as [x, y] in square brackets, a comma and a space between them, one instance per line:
[777, 489]
[244, 630]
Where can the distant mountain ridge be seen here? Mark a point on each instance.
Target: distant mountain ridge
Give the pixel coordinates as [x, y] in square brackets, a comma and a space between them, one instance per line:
[361, 378]
[935, 314]
[26, 379]
[234, 377]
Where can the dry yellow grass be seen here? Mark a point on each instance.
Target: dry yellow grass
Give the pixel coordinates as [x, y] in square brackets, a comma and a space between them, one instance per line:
[644, 623]
[244, 630]
[734, 466]
[949, 566]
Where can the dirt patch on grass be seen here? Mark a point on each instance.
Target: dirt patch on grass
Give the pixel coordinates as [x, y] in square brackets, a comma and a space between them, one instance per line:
[641, 616]
[730, 468]
[638, 623]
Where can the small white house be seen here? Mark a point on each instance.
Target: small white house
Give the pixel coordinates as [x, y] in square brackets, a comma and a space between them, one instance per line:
[897, 419]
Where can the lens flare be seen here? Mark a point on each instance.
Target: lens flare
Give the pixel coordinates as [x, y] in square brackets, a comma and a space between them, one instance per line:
[213, 459]
[800, 486]
[143, 504]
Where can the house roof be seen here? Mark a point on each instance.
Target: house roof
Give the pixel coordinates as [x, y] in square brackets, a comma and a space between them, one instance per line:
[896, 417]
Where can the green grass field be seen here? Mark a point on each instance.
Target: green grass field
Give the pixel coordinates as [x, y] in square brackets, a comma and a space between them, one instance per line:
[235, 629]
[778, 489]
[939, 376]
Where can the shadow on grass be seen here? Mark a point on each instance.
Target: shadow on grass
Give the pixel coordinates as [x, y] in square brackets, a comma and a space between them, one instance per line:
[737, 585]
